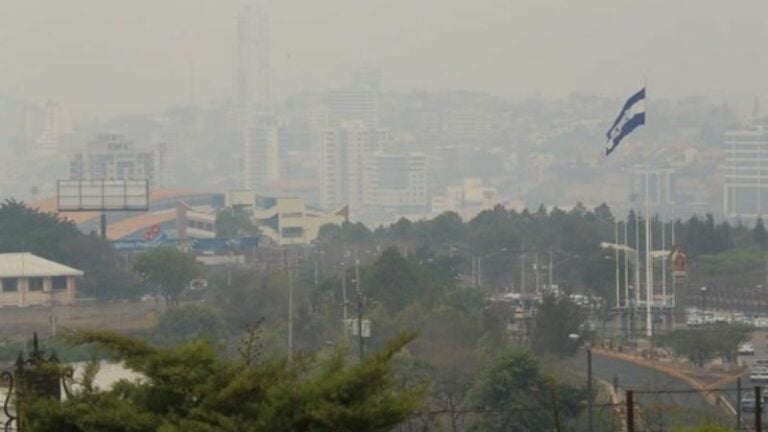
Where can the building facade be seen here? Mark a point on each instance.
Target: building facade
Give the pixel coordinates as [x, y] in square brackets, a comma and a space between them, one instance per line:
[112, 157]
[28, 280]
[745, 172]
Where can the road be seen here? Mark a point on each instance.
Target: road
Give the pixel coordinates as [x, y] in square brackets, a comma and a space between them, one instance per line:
[663, 400]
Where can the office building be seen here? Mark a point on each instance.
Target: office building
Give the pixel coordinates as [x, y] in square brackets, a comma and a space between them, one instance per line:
[396, 181]
[261, 155]
[344, 153]
[745, 172]
[112, 157]
[252, 70]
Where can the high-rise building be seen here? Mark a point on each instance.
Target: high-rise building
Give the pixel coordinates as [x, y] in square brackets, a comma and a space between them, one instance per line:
[344, 154]
[261, 154]
[252, 70]
[112, 157]
[396, 181]
[660, 182]
[354, 103]
[745, 169]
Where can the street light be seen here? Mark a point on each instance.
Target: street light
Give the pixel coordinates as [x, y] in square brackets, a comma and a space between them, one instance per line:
[575, 337]
[703, 291]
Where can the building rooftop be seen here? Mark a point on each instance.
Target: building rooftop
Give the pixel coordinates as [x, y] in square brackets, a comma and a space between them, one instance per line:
[28, 265]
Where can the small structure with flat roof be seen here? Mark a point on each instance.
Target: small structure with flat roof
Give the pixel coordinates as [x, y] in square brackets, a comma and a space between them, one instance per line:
[28, 280]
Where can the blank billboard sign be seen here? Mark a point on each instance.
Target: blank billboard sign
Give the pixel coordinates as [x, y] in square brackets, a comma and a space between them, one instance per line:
[103, 195]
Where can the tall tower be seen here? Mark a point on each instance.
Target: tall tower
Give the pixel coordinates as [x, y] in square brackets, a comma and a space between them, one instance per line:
[252, 80]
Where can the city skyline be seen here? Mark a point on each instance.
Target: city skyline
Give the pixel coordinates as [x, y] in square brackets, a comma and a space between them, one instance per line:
[102, 60]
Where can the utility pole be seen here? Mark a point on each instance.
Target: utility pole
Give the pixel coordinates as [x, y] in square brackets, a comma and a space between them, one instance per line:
[630, 399]
[344, 295]
[359, 310]
[290, 307]
[522, 273]
[536, 267]
[738, 399]
[550, 269]
[758, 409]
[590, 402]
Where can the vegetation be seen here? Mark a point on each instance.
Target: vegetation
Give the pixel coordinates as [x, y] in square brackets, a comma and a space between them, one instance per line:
[704, 343]
[234, 222]
[190, 388]
[515, 396]
[169, 270]
[23, 229]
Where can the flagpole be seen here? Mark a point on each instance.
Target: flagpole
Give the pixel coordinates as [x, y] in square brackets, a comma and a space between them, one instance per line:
[626, 266]
[648, 237]
[616, 255]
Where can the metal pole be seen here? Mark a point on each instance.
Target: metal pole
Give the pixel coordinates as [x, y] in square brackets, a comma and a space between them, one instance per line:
[550, 269]
[359, 310]
[290, 308]
[626, 267]
[616, 255]
[648, 263]
[758, 409]
[103, 220]
[536, 267]
[664, 263]
[522, 273]
[738, 403]
[344, 296]
[590, 402]
[630, 399]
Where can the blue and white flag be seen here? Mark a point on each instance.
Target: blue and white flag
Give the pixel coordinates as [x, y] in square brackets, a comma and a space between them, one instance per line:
[630, 117]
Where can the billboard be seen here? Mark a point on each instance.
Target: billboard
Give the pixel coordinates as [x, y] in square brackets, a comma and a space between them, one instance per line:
[102, 195]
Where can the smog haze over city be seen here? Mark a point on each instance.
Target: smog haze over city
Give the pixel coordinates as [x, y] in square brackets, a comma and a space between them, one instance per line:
[383, 215]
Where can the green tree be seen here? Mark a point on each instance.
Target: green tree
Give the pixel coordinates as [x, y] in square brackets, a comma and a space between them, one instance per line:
[234, 222]
[23, 229]
[393, 281]
[188, 323]
[513, 395]
[190, 388]
[702, 344]
[169, 269]
[557, 319]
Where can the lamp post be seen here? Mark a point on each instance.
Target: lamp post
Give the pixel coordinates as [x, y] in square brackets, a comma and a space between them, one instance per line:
[590, 417]
[703, 291]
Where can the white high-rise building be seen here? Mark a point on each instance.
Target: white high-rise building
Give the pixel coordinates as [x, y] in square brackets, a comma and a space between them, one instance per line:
[261, 155]
[344, 155]
[745, 168]
[252, 69]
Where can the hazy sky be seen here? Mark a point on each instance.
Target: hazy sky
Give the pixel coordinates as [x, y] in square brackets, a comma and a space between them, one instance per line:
[101, 57]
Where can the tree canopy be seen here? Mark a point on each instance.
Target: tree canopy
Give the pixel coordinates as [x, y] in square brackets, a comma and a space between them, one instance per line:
[189, 388]
[170, 269]
[23, 229]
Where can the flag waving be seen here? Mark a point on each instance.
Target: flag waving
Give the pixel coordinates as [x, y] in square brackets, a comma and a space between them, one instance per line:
[631, 116]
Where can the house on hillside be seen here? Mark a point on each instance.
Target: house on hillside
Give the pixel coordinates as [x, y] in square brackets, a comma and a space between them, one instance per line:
[28, 280]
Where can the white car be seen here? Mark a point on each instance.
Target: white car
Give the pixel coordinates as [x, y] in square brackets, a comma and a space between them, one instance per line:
[758, 374]
[746, 349]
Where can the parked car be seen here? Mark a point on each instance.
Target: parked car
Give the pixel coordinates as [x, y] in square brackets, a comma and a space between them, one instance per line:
[761, 362]
[746, 349]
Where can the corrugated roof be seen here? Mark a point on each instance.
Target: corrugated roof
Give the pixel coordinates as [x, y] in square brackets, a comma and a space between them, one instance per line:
[28, 265]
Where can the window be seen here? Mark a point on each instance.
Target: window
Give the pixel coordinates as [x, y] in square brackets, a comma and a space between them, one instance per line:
[10, 285]
[293, 232]
[59, 282]
[36, 284]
